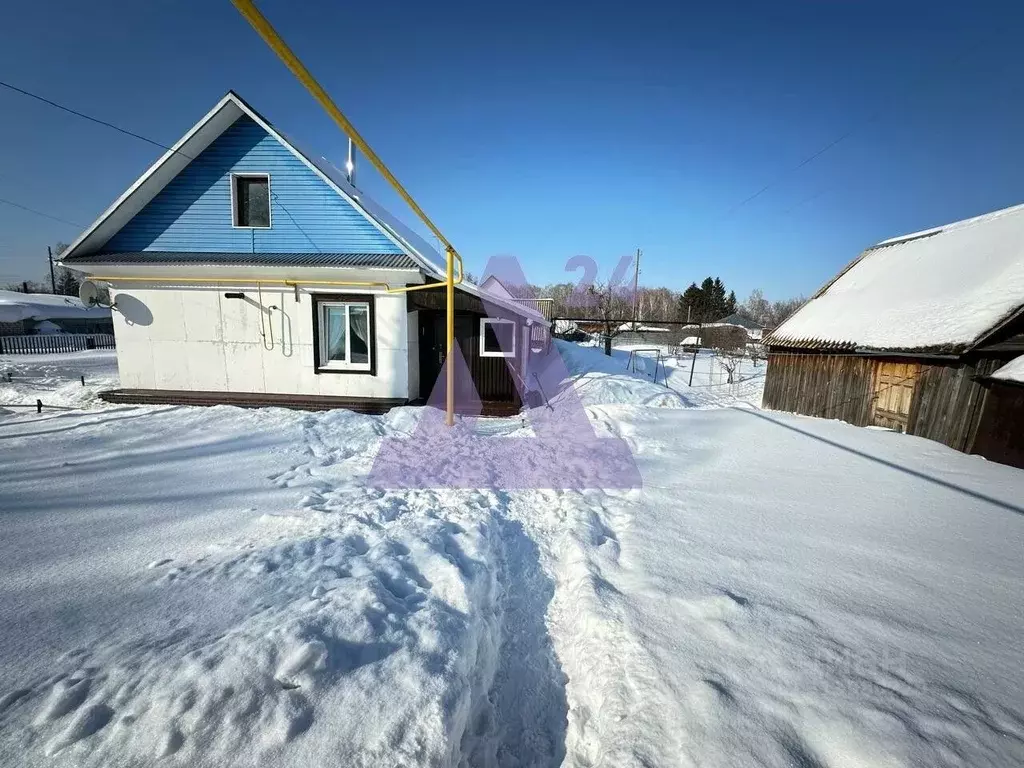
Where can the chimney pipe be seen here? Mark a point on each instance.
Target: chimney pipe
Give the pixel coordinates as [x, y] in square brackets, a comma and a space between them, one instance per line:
[350, 164]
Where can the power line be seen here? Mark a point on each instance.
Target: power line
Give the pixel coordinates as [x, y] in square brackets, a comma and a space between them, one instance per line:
[856, 126]
[82, 115]
[39, 213]
[134, 135]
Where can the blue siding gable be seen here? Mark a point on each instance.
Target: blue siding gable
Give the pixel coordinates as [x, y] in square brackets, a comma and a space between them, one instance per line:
[193, 212]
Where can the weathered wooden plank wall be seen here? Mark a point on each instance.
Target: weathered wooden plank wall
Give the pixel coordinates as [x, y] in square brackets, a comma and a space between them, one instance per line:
[1000, 435]
[947, 405]
[948, 401]
[828, 386]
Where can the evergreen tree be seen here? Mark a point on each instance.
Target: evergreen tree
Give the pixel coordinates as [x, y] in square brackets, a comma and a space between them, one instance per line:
[691, 304]
[717, 302]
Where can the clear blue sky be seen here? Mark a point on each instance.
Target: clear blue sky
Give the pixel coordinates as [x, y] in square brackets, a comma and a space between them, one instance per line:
[544, 132]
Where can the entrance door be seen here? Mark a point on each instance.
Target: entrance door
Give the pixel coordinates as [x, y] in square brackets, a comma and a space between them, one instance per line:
[894, 392]
[432, 350]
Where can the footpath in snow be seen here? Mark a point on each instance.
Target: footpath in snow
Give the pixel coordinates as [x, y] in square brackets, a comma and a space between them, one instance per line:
[217, 586]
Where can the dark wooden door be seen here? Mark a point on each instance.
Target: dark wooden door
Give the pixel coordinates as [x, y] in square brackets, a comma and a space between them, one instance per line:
[432, 349]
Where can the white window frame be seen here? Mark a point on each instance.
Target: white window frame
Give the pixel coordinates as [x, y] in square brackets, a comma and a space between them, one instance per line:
[344, 365]
[484, 322]
[234, 203]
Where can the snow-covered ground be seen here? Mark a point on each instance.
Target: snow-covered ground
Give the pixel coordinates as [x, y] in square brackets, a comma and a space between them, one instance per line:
[603, 379]
[56, 380]
[219, 586]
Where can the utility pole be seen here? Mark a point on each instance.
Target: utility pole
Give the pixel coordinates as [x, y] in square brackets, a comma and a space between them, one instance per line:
[53, 279]
[636, 280]
[693, 362]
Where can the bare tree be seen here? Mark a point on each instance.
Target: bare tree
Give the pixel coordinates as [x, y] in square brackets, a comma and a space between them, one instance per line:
[730, 360]
[781, 310]
[612, 308]
[770, 314]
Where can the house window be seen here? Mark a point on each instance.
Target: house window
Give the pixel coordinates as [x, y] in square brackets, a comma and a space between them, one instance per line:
[497, 337]
[250, 200]
[345, 332]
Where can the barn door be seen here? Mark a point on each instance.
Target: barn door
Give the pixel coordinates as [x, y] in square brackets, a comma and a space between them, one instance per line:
[894, 392]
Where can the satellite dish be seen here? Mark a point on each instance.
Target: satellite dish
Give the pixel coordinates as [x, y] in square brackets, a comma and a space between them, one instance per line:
[93, 294]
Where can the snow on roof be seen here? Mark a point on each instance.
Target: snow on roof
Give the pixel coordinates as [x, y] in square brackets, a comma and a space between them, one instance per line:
[44, 306]
[642, 328]
[743, 322]
[1012, 371]
[942, 289]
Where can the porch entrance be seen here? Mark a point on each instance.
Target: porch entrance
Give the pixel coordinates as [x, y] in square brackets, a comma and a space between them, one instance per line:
[491, 376]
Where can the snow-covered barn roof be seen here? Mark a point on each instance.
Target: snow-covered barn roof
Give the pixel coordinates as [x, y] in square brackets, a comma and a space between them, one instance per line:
[15, 307]
[1012, 371]
[943, 290]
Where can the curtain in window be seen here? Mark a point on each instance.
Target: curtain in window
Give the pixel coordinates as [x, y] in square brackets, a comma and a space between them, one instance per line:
[359, 328]
[335, 333]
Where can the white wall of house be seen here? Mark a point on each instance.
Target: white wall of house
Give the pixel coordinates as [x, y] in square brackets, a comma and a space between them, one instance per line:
[196, 339]
[413, 334]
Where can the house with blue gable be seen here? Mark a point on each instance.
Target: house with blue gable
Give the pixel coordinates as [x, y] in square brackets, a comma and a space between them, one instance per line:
[244, 270]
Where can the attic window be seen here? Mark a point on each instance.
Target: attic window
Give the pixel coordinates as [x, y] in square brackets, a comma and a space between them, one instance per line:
[250, 200]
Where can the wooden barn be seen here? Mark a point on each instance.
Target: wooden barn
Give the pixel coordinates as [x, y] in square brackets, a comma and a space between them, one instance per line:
[923, 334]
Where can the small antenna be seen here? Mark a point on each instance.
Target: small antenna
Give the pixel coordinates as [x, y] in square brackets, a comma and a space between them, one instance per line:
[350, 164]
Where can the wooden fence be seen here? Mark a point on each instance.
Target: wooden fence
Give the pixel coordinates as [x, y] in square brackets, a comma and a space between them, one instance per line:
[54, 343]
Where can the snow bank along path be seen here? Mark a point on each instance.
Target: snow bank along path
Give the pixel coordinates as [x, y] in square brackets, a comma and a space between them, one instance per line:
[218, 587]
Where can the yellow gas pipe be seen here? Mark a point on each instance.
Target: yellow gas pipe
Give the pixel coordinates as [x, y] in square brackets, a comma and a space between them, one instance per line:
[264, 29]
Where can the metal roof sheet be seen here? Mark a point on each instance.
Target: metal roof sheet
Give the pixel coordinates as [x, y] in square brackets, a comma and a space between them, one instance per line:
[374, 260]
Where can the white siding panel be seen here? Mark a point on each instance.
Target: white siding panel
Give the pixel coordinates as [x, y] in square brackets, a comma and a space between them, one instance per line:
[198, 340]
[244, 362]
[413, 337]
[135, 363]
[201, 312]
[168, 312]
[171, 364]
[206, 365]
